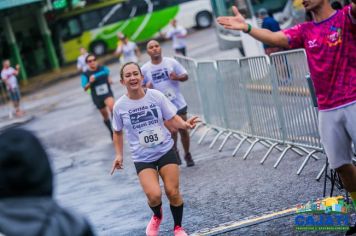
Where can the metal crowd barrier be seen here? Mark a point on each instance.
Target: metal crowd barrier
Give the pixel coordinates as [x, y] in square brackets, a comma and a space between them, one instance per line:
[260, 99]
[236, 120]
[210, 86]
[300, 115]
[190, 90]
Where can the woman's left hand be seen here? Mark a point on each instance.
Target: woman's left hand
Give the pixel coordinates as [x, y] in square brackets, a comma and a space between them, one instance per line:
[191, 122]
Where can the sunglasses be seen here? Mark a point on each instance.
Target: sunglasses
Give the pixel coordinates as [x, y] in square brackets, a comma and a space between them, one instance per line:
[90, 61]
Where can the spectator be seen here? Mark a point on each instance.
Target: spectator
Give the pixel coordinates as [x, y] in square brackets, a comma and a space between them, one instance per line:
[271, 24]
[27, 206]
[8, 75]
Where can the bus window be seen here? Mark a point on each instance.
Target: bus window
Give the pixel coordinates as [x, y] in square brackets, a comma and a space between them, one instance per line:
[114, 14]
[142, 7]
[70, 29]
[175, 2]
[90, 20]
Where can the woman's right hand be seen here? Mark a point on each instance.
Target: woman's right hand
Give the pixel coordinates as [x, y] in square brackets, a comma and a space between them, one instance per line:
[236, 22]
[117, 164]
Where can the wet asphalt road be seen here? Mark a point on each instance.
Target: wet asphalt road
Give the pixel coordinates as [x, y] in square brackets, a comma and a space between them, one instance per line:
[219, 189]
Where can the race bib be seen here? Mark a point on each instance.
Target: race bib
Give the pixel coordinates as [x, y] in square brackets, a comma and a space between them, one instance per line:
[101, 89]
[151, 137]
[170, 94]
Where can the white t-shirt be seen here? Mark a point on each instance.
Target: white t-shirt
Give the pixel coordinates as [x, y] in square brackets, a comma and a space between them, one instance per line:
[142, 120]
[128, 51]
[174, 33]
[158, 75]
[81, 64]
[8, 75]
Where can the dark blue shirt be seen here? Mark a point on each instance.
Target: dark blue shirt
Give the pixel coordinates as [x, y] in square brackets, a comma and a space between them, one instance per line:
[271, 24]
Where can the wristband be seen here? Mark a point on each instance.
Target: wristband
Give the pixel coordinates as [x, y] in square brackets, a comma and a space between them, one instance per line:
[249, 28]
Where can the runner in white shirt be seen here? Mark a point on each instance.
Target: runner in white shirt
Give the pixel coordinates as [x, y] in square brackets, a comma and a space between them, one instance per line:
[177, 33]
[165, 74]
[128, 50]
[81, 63]
[8, 75]
[146, 115]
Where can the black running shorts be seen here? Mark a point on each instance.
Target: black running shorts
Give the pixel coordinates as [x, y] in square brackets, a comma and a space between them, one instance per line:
[99, 102]
[169, 158]
[183, 111]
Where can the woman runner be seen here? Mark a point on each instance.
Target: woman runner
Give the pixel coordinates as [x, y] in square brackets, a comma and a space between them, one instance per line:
[145, 114]
[97, 79]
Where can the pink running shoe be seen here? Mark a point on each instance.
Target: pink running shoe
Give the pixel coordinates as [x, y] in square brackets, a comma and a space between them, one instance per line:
[152, 228]
[179, 231]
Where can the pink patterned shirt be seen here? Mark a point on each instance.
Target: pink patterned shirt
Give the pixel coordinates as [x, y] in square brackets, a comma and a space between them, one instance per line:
[331, 50]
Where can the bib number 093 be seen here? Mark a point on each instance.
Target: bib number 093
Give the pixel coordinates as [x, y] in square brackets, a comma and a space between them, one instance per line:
[152, 137]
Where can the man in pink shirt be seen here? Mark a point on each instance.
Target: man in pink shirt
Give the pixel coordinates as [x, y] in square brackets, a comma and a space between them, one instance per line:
[330, 44]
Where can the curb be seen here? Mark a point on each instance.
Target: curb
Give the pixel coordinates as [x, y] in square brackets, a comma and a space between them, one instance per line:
[11, 123]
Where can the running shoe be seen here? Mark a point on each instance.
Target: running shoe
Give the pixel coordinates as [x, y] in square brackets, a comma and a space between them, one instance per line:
[179, 231]
[152, 228]
[189, 160]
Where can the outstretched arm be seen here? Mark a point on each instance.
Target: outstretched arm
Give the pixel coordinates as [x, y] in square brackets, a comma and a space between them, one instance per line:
[17, 70]
[118, 50]
[238, 22]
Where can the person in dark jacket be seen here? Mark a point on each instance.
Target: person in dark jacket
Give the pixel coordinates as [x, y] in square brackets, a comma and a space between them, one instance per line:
[27, 206]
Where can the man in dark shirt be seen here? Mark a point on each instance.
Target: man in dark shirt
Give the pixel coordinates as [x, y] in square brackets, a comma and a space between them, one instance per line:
[271, 24]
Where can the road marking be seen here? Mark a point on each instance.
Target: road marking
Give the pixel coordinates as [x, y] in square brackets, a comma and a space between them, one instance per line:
[245, 223]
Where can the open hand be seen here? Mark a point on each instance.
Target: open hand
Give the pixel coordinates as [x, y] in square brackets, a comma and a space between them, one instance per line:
[117, 164]
[236, 22]
[191, 122]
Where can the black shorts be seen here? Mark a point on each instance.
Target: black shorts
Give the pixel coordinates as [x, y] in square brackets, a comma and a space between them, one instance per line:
[183, 111]
[180, 51]
[169, 158]
[99, 102]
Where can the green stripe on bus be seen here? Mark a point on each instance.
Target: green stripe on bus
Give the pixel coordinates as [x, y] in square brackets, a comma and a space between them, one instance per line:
[108, 34]
[157, 21]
